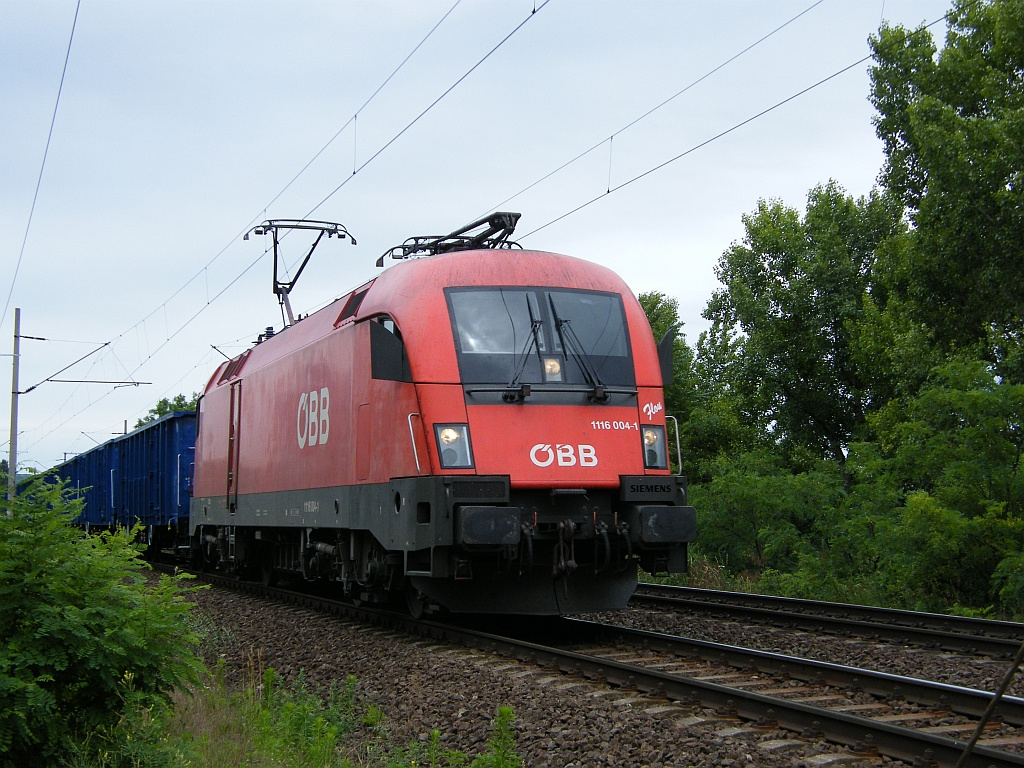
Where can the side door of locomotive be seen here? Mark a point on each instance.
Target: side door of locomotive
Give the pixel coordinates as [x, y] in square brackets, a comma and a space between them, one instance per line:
[234, 445]
[391, 442]
[232, 376]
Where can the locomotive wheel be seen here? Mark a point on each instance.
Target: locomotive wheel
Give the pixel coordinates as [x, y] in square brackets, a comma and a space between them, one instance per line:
[195, 555]
[415, 601]
[267, 576]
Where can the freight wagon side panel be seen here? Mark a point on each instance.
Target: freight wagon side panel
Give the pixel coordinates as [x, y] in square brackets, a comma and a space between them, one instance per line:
[152, 479]
[95, 475]
[138, 480]
[181, 458]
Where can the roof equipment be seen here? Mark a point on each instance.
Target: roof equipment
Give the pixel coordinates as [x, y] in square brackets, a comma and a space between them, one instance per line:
[494, 232]
[271, 226]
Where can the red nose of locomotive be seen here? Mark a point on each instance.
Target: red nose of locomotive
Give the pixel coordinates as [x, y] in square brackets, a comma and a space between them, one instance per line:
[566, 446]
[555, 433]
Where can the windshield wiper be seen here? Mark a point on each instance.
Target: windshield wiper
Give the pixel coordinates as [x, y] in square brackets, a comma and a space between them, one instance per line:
[572, 345]
[515, 390]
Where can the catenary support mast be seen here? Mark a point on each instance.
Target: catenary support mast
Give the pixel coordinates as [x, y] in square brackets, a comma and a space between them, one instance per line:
[12, 465]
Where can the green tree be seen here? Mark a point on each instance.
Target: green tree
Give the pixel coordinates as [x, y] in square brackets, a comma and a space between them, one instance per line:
[934, 517]
[755, 514]
[960, 440]
[793, 294]
[663, 314]
[165, 406]
[79, 629]
[955, 450]
[952, 122]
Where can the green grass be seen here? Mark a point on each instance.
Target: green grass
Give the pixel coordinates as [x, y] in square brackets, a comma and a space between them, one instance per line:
[265, 723]
[704, 573]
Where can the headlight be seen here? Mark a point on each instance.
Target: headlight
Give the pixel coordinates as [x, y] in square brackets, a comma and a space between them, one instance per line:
[453, 446]
[552, 369]
[655, 455]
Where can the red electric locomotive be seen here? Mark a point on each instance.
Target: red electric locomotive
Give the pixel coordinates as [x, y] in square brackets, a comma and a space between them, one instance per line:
[480, 427]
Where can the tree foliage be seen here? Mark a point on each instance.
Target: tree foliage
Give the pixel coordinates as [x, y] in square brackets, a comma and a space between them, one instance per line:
[933, 517]
[960, 440]
[79, 626]
[165, 406]
[793, 292]
[951, 122]
[855, 412]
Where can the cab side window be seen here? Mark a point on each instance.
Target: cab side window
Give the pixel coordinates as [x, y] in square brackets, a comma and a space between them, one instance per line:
[388, 360]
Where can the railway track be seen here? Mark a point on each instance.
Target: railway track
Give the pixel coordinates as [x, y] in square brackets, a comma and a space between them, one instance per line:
[830, 693]
[868, 713]
[996, 639]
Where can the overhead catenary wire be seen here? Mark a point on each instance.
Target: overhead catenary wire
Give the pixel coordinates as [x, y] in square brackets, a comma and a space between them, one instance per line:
[651, 111]
[433, 104]
[42, 165]
[352, 120]
[234, 238]
[706, 142]
[203, 272]
[376, 154]
[66, 367]
[314, 209]
[151, 353]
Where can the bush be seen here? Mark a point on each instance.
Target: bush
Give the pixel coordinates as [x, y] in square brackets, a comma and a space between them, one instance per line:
[1008, 585]
[77, 620]
[293, 724]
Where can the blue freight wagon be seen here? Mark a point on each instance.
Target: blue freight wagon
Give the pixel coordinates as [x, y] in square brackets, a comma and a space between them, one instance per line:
[142, 477]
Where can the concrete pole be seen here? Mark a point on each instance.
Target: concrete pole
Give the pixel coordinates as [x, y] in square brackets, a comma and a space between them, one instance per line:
[12, 464]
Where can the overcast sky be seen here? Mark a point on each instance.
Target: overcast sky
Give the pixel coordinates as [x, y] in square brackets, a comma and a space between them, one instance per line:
[182, 124]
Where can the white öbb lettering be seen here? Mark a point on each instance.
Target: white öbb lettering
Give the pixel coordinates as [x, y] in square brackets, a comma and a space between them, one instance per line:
[313, 425]
[544, 455]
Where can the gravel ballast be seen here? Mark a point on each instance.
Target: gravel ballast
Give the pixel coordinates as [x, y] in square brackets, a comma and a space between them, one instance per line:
[420, 686]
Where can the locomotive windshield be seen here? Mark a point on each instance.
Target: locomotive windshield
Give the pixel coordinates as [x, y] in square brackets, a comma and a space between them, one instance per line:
[541, 336]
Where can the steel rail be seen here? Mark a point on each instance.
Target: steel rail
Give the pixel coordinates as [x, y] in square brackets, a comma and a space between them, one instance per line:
[898, 617]
[966, 701]
[954, 633]
[858, 733]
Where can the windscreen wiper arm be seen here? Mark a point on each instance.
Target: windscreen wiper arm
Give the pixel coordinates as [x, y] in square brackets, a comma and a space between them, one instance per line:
[515, 390]
[571, 344]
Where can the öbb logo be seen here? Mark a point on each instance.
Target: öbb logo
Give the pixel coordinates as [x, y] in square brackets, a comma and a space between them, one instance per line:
[543, 455]
[313, 424]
